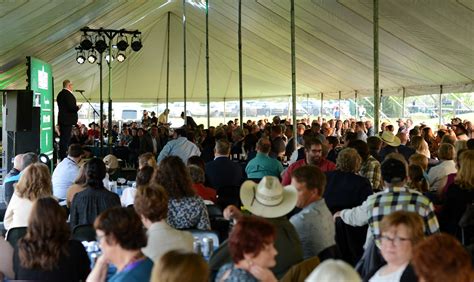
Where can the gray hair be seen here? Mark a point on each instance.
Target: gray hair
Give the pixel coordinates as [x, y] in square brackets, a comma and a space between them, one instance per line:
[29, 158]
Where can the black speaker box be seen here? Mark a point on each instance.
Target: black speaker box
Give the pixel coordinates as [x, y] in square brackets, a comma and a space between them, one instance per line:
[18, 107]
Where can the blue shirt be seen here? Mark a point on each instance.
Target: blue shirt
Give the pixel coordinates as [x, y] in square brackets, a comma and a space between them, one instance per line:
[63, 177]
[180, 147]
[262, 165]
[315, 227]
[141, 272]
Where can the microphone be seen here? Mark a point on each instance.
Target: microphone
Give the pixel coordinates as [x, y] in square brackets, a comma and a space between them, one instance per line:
[80, 91]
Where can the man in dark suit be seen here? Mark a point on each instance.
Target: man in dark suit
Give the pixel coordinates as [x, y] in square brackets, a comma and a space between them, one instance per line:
[67, 116]
[223, 174]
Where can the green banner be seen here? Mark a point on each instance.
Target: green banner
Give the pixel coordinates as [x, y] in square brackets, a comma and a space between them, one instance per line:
[41, 83]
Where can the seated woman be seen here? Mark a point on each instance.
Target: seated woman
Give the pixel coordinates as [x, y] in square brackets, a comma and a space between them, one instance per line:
[185, 209]
[147, 159]
[198, 178]
[417, 180]
[151, 204]
[400, 232]
[121, 236]
[79, 185]
[88, 204]
[345, 189]
[442, 258]
[35, 182]
[180, 266]
[252, 251]
[46, 253]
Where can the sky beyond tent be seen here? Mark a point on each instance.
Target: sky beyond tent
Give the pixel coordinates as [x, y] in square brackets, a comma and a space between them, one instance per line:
[423, 44]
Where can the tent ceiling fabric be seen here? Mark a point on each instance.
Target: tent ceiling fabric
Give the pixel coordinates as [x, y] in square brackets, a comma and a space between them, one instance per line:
[423, 44]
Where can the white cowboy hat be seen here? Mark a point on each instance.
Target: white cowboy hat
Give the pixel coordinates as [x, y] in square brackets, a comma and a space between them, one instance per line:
[268, 198]
[390, 139]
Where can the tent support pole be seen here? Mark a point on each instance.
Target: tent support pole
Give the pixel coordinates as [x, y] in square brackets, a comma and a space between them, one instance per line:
[321, 106]
[109, 133]
[101, 118]
[240, 67]
[184, 62]
[357, 114]
[403, 101]
[168, 62]
[340, 112]
[293, 71]
[376, 64]
[207, 67]
[440, 114]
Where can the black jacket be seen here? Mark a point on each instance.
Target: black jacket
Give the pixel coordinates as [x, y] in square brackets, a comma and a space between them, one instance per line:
[67, 108]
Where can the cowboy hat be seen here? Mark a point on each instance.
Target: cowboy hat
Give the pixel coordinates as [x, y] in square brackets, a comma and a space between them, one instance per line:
[390, 139]
[268, 198]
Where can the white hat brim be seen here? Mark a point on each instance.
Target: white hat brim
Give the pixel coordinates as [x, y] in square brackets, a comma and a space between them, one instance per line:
[288, 204]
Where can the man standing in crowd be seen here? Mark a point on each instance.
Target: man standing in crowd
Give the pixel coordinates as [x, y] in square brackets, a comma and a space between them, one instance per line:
[67, 116]
[314, 223]
[222, 172]
[313, 149]
[163, 118]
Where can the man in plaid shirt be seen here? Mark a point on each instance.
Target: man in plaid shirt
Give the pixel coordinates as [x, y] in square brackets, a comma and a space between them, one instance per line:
[394, 197]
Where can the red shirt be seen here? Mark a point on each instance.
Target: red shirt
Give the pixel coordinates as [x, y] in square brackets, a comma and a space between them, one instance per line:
[324, 165]
[205, 192]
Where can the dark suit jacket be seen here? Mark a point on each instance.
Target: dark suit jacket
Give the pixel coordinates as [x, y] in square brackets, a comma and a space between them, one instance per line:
[223, 172]
[67, 108]
[345, 190]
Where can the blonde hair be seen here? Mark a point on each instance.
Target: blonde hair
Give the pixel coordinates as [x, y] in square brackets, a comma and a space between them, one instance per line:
[419, 159]
[348, 160]
[465, 175]
[147, 159]
[35, 182]
[179, 265]
[333, 270]
[420, 145]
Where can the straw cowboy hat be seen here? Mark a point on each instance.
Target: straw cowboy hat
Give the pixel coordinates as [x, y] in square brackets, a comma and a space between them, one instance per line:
[268, 198]
[390, 139]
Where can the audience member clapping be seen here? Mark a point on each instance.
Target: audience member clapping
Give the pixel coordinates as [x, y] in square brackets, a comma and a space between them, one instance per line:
[121, 236]
[46, 252]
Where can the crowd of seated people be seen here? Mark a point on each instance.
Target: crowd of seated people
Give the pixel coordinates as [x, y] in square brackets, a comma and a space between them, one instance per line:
[402, 187]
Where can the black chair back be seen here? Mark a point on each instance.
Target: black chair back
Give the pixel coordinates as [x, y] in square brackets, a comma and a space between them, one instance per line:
[228, 195]
[15, 234]
[84, 232]
[466, 225]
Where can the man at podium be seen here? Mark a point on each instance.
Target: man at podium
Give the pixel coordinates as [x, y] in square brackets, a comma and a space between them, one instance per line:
[67, 116]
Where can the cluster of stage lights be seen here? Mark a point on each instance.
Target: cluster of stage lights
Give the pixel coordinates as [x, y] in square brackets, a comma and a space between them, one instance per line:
[91, 47]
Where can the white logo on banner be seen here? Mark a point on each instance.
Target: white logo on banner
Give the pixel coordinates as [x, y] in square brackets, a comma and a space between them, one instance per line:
[42, 79]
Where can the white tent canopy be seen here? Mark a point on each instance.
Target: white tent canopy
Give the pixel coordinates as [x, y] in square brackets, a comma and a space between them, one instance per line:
[423, 44]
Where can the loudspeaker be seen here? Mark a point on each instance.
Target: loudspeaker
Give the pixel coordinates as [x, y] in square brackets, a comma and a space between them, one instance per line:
[17, 107]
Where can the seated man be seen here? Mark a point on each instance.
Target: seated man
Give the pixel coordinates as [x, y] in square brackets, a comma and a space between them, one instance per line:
[313, 149]
[20, 164]
[262, 165]
[151, 204]
[222, 172]
[66, 171]
[314, 223]
[287, 242]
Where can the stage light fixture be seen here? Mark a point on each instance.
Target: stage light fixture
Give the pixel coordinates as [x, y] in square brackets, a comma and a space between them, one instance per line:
[86, 42]
[121, 57]
[136, 43]
[80, 59]
[107, 58]
[100, 44]
[92, 57]
[122, 43]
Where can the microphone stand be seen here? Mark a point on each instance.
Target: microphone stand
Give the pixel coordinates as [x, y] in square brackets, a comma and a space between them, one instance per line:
[94, 113]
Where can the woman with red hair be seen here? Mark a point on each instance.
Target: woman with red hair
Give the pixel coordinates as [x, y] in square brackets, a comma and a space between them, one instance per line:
[252, 251]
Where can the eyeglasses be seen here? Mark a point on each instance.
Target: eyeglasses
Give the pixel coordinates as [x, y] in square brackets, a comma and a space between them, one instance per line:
[397, 241]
